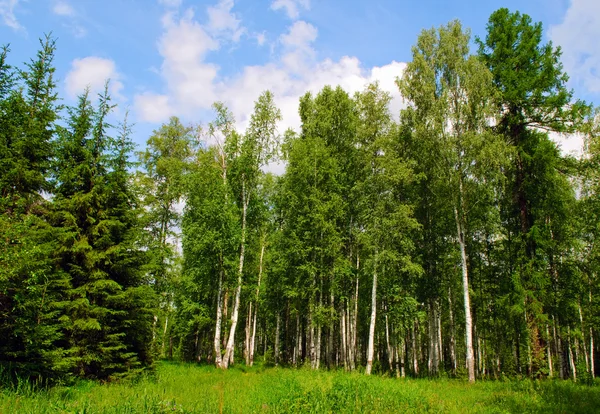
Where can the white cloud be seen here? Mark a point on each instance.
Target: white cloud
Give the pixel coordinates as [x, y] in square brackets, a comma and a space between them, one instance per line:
[152, 107]
[223, 23]
[170, 3]
[62, 8]
[578, 36]
[261, 38]
[299, 53]
[7, 12]
[192, 83]
[292, 7]
[92, 72]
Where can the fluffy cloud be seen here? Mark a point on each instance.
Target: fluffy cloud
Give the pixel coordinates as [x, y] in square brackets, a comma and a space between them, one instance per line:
[223, 23]
[291, 7]
[92, 72]
[152, 107]
[7, 13]
[578, 36]
[192, 83]
[62, 8]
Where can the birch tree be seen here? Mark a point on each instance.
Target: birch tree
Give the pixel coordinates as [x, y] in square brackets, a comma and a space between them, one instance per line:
[450, 95]
[253, 151]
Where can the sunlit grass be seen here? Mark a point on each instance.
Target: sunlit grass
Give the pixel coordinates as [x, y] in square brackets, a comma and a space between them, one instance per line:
[186, 388]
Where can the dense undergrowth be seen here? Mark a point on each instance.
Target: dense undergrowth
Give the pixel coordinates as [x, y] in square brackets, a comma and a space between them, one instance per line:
[186, 388]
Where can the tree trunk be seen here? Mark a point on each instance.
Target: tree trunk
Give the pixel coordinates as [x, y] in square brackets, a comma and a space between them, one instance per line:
[452, 335]
[415, 351]
[260, 272]
[592, 353]
[571, 359]
[549, 352]
[390, 349]
[467, 300]
[354, 344]
[344, 338]
[164, 335]
[585, 351]
[217, 341]
[229, 351]
[370, 348]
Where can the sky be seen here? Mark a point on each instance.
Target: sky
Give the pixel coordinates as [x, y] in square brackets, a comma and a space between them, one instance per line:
[177, 57]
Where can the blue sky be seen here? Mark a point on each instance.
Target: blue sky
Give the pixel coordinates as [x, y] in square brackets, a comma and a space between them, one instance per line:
[176, 57]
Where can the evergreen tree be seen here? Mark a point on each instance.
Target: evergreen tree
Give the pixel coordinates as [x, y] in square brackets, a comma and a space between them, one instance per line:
[108, 315]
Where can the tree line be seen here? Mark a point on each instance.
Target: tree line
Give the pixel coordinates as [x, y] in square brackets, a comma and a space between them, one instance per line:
[451, 239]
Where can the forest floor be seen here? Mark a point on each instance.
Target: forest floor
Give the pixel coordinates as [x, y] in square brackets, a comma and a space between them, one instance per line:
[186, 388]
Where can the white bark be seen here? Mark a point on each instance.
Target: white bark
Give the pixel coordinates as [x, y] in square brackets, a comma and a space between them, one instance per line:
[467, 299]
[592, 353]
[217, 341]
[344, 338]
[371, 346]
[571, 359]
[276, 351]
[260, 272]
[229, 351]
[585, 351]
[549, 352]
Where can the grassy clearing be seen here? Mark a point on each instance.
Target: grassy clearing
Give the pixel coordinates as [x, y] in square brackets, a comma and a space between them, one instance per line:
[183, 388]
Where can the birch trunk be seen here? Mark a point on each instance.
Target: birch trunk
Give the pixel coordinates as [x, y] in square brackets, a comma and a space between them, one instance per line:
[390, 349]
[592, 353]
[371, 348]
[248, 331]
[344, 338]
[415, 354]
[549, 352]
[276, 350]
[571, 360]
[467, 299]
[452, 336]
[217, 341]
[585, 351]
[354, 343]
[260, 272]
[229, 351]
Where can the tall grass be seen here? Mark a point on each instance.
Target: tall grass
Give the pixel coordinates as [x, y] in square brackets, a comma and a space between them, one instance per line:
[185, 388]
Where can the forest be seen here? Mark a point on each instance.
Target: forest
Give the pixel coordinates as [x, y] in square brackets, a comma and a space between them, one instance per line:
[450, 240]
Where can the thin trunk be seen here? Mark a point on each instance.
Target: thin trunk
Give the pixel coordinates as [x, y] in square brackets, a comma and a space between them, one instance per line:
[295, 354]
[260, 272]
[592, 353]
[330, 337]
[585, 351]
[164, 335]
[354, 342]
[344, 338]
[559, 350]
[452, 335]
[229, 351]
[390, 349]
[467, 300]
[549, 352]
[248, 333]
[318, 345]
[217, 341]
[371, 348]
[415, 351]
[276, 350]
[571, 359]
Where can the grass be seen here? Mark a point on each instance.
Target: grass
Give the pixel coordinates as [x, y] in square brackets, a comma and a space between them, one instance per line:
[186, 388]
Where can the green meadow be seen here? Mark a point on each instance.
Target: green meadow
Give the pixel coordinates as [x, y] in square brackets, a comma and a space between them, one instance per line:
[188, 388]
